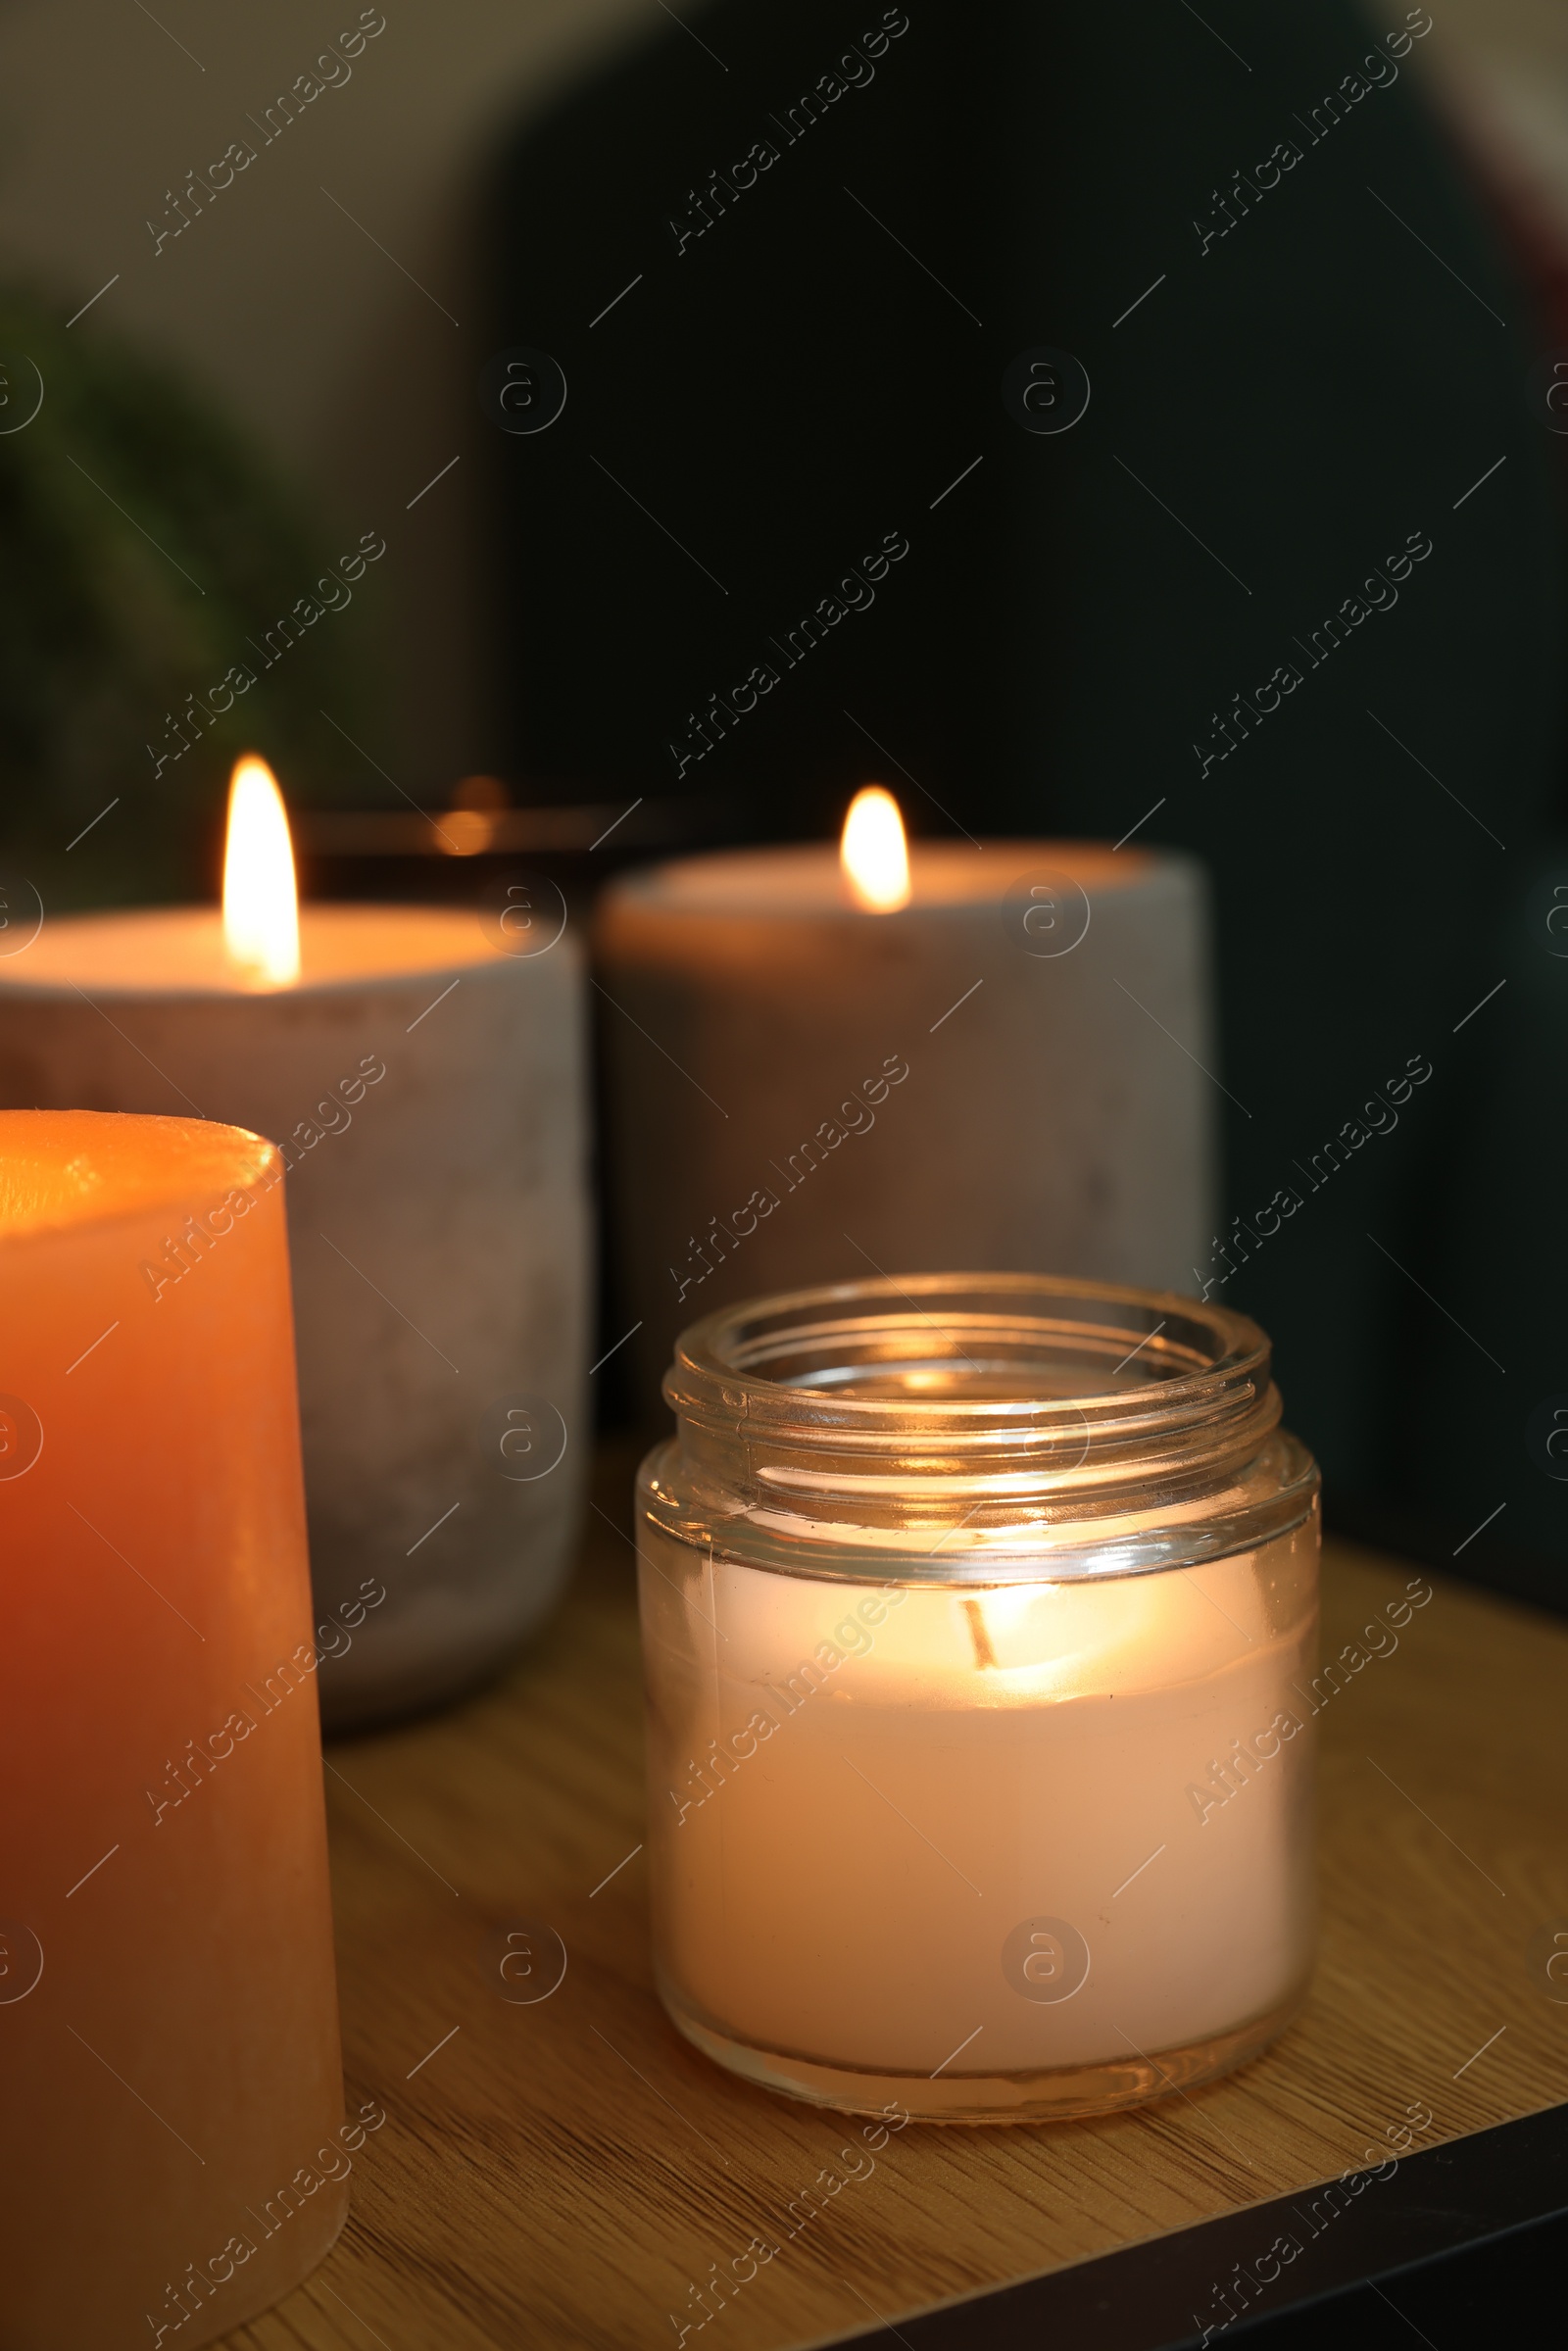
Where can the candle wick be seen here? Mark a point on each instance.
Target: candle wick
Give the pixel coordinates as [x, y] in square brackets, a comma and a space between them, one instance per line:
[984, 1653]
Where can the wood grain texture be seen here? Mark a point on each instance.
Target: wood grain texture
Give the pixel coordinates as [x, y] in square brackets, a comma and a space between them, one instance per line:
[567, 2172]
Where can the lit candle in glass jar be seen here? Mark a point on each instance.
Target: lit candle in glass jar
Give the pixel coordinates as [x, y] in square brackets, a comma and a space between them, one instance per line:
[973, 1612]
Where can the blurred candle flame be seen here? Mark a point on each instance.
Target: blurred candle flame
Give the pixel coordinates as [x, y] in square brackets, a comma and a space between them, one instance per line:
[261, 903]
[874, 853]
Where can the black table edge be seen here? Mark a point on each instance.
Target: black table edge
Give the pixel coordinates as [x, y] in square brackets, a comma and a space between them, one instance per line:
[1162, 2294]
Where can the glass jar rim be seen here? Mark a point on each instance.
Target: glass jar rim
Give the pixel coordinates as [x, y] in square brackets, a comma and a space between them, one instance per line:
[802, 1366]
[976, 1420]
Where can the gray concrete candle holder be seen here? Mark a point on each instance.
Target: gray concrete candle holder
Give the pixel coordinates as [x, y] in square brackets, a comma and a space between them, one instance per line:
[1011, 1072]
[433, 1118]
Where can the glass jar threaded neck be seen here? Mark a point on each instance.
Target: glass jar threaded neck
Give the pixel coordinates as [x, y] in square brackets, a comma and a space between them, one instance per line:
[990, 1415]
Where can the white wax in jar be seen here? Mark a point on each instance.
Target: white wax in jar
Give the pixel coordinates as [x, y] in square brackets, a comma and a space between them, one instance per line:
[866, 1799]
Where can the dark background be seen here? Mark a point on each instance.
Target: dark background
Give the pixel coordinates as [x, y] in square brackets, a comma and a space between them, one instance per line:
[1270, 423]
[1273, 411]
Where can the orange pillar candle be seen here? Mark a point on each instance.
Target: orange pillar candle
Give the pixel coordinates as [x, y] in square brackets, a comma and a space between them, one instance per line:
[173, 2156]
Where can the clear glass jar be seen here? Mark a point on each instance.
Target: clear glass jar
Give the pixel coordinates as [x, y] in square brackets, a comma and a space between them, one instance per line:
[976, 1611]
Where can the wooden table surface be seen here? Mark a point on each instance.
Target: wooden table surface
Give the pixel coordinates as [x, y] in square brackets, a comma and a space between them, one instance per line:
[567, 2172]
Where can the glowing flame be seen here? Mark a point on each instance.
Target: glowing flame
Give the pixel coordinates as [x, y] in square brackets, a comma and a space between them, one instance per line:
[872, 852]
[260, 905]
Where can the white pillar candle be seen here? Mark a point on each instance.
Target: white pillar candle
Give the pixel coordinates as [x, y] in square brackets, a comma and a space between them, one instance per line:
[427, 1091]
[1007, 1067]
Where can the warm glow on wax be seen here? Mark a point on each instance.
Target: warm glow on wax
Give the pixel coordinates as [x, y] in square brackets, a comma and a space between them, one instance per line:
[873, 854]
[260, 903]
